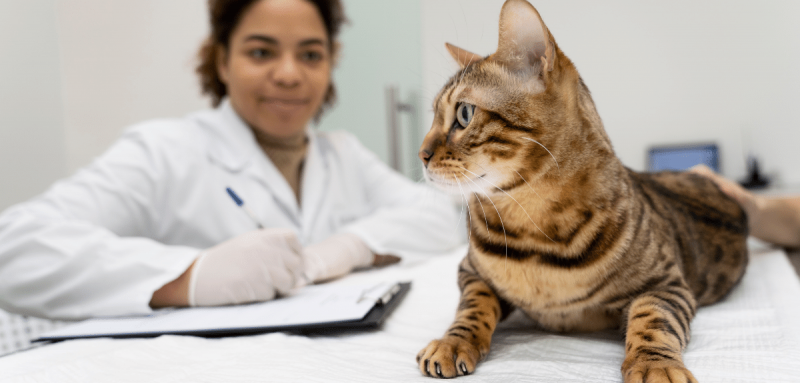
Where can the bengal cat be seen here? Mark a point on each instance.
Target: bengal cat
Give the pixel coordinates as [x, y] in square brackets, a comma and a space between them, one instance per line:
[558, 226]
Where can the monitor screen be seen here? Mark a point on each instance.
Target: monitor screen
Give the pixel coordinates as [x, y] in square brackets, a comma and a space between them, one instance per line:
[682, 157]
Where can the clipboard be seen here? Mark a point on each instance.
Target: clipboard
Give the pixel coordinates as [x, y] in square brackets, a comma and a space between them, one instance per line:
[228, 321]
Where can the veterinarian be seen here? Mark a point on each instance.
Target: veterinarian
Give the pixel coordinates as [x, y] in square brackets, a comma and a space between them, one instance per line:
[150, 223]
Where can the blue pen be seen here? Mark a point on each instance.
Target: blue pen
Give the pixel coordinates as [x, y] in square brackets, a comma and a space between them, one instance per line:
[240, 203]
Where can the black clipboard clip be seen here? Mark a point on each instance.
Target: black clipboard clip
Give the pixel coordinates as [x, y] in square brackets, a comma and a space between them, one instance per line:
[382, 299]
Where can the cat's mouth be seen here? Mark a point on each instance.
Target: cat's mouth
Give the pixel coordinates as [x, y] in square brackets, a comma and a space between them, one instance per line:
[457, 185]
[438, 179]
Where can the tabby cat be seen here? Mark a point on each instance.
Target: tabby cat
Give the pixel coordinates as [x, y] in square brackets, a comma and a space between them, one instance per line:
[558, 227]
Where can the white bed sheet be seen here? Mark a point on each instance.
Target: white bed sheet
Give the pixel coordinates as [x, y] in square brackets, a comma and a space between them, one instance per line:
[752, 336]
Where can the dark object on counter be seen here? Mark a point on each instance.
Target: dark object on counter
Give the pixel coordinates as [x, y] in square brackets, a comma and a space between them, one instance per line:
[754, 178]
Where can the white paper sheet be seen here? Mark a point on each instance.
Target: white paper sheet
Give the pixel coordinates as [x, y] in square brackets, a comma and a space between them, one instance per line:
[311, 305]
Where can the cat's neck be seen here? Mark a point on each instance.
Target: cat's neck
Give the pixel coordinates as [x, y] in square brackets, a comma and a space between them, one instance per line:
[548, 211]
[604, 180]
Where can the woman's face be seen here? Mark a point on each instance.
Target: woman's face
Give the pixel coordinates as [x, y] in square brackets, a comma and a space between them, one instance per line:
[278, 66]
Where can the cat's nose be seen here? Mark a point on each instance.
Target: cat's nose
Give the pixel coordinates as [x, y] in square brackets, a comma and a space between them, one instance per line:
[432, 141]
[425, 155]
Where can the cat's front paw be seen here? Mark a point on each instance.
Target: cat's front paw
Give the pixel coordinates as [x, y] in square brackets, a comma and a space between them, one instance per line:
[449, 357]
[657, 372]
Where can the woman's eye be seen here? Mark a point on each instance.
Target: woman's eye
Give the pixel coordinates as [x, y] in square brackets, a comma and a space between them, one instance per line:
[311, 56]
[260, 53]
[464, 113]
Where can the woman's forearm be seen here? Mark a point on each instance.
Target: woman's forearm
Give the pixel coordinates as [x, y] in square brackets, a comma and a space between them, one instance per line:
[772, 219]
[777, 220]
[175, 293]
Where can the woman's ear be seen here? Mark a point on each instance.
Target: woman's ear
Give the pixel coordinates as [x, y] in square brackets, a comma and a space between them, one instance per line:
[221, 60]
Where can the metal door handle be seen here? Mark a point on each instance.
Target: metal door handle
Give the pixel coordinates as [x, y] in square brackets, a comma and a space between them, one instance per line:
[394, 107]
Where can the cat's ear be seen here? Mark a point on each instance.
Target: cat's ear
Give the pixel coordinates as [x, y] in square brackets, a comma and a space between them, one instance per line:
[524, 39]
[462, 57]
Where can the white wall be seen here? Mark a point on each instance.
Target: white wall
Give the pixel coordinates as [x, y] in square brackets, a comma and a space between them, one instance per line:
[124, 62]
[32, 154]
[75, 73]
[661, 72]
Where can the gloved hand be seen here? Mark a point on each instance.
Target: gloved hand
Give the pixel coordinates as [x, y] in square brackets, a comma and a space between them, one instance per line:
[335, 256]
[252, 267]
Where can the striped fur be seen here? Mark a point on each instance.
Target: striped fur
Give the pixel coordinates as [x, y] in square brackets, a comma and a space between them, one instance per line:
[558, 227]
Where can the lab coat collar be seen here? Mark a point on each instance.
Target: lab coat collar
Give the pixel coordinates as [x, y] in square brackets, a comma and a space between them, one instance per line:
[237, 150]
[234, 143]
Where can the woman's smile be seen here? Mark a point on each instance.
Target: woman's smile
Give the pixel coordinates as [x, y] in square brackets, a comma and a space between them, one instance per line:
[286, 107]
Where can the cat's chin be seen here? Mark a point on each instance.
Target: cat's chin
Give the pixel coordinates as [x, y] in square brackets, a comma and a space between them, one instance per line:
[463, 189]
[448, 187]
[451, 190]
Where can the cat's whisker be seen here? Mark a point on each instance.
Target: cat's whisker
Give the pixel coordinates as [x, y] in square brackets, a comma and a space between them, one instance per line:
[455, 178]
[469, 212]
[463, 14]
[515, 200]
[479, 202]
[479, 165]
[463, 71]
[457, 39]
[545, 148]
[505, 237]
[526, 183]
[458, 76]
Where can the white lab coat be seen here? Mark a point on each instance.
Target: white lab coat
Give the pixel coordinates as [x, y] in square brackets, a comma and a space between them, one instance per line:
[102, 241]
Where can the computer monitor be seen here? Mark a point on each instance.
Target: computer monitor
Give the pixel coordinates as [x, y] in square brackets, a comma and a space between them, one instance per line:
[682, 157]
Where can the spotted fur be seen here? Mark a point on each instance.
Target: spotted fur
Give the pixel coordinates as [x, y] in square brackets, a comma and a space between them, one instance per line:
[558, 227]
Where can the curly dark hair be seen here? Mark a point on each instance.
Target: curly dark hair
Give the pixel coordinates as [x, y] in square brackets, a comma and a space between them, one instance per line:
[224, 16]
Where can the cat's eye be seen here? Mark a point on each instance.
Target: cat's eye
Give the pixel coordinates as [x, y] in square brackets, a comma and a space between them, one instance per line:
[464, 114]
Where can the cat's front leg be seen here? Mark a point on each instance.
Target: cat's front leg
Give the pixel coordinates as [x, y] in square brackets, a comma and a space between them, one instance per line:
[468, 339]
[656, 334]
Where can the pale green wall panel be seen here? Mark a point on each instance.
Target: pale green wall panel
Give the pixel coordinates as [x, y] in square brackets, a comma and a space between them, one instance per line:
[380, 46]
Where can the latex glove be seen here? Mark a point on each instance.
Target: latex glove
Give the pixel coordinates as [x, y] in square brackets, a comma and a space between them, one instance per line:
[252, 267]
[335, 256]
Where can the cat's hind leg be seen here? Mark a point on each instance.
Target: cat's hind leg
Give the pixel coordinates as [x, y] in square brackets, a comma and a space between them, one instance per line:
[656, 334]
[468, 339]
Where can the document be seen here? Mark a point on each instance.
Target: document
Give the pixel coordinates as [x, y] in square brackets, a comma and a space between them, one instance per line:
[315, 306]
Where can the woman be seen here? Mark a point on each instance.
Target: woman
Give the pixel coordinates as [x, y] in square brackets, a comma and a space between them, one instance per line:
[150, 224]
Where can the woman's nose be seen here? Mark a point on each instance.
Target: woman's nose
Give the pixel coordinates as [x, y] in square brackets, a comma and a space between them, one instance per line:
[288, 73]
